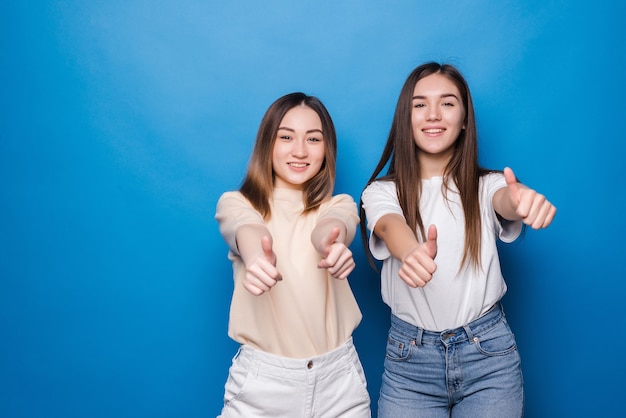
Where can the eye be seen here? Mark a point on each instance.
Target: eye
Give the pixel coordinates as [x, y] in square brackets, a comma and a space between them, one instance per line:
[419, 105]
[449, 104]
[285, 137]
[314, 139]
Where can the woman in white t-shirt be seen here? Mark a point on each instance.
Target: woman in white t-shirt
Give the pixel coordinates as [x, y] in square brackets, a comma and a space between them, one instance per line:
[292, 309]
[435, 218]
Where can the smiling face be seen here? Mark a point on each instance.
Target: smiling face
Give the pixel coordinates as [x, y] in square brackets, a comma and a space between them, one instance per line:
[437, 118]
[298, 152]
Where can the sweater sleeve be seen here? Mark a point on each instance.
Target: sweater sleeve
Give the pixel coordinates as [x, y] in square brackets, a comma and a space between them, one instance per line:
[342, 207]
[234, 210]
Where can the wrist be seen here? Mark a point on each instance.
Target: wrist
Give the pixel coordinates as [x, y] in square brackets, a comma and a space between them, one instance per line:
[409, 252]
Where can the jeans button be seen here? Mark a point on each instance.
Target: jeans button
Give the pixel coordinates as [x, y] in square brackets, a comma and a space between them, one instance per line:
[309, 365]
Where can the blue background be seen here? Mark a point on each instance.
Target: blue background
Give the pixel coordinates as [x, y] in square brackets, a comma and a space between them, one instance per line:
[123, 121]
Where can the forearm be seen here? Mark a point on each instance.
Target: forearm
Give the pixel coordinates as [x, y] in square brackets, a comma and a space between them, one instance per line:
[323, 229]
[518, 202]
[503, 205]
[249, 241]
[397, 235]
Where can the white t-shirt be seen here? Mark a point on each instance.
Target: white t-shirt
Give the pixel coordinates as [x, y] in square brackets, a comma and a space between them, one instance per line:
[454, 297]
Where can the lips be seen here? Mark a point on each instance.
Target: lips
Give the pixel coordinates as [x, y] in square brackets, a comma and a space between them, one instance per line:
[433, 130]
[297, 165]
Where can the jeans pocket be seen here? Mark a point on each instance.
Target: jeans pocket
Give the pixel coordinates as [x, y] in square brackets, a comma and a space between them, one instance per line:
[398, 347]
[496, 341]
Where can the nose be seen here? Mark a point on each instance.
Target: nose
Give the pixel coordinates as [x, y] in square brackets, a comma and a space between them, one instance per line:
[434, 113]
[299, 148]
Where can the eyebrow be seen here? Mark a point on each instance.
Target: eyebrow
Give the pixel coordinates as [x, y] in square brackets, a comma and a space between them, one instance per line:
[293, 130]
[443, 96]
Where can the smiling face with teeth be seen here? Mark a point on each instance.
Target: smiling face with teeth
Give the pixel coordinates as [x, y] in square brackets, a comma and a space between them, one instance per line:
[299, 149]
[437, 118]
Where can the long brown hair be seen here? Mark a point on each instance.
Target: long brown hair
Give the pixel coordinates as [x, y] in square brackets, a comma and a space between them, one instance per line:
[258, 183]
[401, 153]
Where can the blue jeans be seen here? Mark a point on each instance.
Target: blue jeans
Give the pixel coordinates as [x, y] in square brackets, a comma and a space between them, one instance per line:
[471, 371]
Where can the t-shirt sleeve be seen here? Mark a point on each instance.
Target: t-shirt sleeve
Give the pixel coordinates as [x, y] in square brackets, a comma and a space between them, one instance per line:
[234, 210]
[379, 198]
[507, 231]
[342, 207]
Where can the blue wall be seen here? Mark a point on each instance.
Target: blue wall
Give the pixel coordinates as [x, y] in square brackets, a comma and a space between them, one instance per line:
[123, 121]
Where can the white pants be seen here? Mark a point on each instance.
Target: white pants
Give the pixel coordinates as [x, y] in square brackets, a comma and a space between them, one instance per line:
[327, 386]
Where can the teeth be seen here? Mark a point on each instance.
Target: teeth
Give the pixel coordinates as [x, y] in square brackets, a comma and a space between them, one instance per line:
[298, 165]
[433, 131]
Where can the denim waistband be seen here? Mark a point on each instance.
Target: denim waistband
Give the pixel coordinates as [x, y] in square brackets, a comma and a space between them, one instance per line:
[451, 336]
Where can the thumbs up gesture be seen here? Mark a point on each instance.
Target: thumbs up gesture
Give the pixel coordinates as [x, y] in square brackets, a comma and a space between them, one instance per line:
[337, 259]
[261, 274]
[419, 264]
[533, 208]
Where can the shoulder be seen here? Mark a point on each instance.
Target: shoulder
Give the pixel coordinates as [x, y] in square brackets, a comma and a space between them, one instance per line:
[491, 176]
[231, 198]
[338, 201]
[341, 207]
[232, 204]
[491, 181]
[378, 192]
[341, 198]
[231, 194]
[381, 186]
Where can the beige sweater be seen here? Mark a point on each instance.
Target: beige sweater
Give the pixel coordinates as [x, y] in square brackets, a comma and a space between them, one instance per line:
[307, 313]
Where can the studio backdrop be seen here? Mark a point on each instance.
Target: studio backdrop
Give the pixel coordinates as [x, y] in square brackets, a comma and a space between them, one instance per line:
[123, 122]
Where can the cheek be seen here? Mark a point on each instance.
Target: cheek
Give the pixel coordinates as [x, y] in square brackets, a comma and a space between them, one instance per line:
[320, 158]
[416, 121]
[279, 150]
[415, 118]
[415, 130]
[320, 153]
[457, 121]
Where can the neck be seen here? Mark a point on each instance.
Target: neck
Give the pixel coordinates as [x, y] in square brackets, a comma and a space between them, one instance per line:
[433, 165]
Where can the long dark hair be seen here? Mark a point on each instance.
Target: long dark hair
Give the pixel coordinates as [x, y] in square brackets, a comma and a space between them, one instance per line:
[402, 153]
[258, 183]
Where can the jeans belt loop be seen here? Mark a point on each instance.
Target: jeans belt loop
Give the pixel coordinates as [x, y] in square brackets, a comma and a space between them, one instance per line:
[470, 334]
[418, 339]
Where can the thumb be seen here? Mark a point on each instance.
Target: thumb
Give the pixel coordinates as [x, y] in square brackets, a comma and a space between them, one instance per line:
[266, 245]
[431, 242]
[329, 240]
[512, 184]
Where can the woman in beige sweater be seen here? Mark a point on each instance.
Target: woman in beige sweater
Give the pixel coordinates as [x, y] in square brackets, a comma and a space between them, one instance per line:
[292, 308]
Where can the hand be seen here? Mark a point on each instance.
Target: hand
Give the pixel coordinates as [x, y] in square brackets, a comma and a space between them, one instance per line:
[337, 259]
[419, 264]
[261, 274]
[533, 208]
